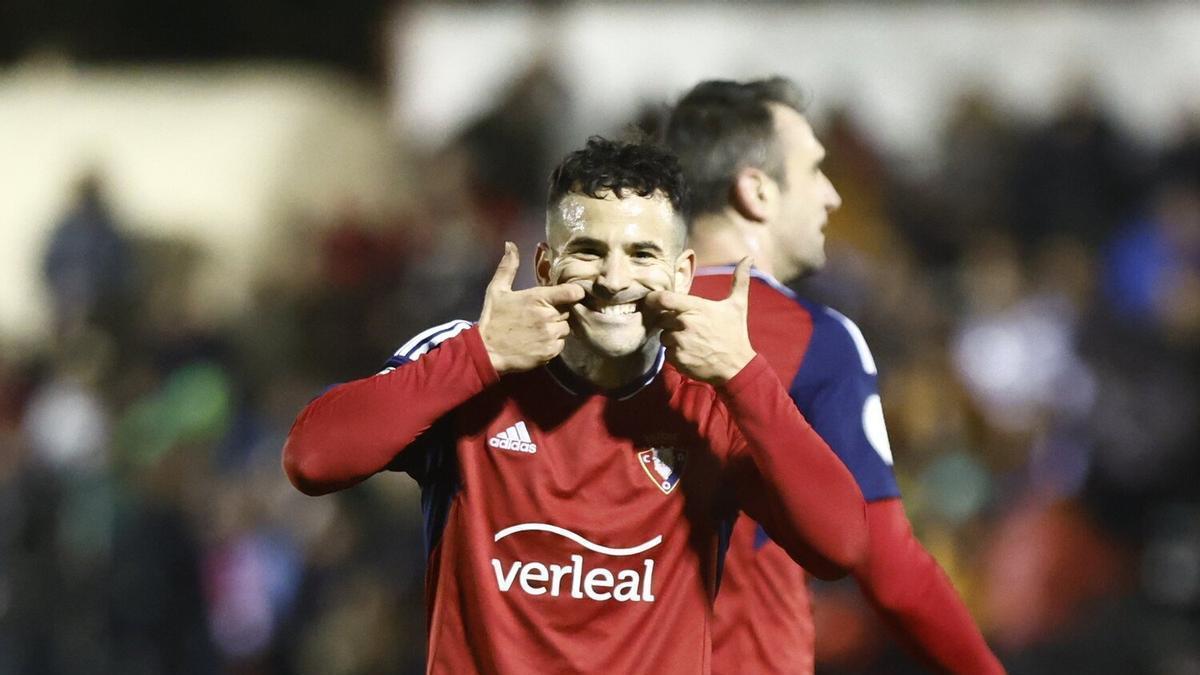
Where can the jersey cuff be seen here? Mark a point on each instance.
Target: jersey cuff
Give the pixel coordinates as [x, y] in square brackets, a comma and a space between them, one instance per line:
[746, 377]
[479, 357]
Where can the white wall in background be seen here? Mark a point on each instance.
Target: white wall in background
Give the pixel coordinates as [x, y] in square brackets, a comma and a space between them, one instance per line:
[898, 66]
[235, 159]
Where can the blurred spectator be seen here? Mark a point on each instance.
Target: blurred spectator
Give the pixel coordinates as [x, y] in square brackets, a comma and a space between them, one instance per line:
[1015, 348]
[1078, 175]
[1154, 263]
[512, 145]
[1048, 566]
[975, 176]
[88, 262]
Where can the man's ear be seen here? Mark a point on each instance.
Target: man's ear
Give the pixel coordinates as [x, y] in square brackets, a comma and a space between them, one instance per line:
[752, 194]
[542, 261]
[685, 270]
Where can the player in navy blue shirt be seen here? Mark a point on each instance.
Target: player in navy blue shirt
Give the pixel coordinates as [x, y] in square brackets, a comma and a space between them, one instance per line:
[754, 167]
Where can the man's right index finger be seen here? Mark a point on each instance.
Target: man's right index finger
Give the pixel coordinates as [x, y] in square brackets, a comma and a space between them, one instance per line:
[560, 294]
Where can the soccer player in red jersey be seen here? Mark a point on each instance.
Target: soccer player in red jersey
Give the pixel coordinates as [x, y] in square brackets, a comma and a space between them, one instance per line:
[754, 167]
[583, 448]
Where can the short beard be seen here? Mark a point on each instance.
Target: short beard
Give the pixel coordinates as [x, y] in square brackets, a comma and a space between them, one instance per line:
[607, 371]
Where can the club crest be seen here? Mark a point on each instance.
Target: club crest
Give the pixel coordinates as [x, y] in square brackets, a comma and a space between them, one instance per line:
[664, 466]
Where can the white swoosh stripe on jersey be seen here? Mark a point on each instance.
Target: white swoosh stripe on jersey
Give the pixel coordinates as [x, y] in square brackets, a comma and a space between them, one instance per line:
[591, 546]
[437, 339]
[429, 333]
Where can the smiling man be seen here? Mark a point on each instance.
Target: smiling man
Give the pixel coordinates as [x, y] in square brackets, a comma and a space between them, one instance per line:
[612, 341]
[583, 447]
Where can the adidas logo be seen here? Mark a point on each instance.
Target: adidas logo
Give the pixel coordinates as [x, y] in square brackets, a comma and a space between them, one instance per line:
[514, 438]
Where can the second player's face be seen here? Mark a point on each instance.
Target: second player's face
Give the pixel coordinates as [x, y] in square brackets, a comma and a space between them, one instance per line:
[806, 201]
[618, 250]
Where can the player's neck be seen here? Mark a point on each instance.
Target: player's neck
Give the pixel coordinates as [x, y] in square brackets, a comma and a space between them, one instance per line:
[607, 372]
[718, 240]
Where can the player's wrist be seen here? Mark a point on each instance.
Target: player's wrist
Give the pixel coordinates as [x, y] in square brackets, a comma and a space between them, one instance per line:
[745, 377]
[499, 363]
[733, 366]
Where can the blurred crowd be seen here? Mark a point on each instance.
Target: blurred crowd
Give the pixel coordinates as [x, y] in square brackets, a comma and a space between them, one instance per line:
[1032, 300]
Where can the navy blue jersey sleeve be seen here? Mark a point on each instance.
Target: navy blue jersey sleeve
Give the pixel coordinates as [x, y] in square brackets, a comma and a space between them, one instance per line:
[836, 389]
[430, 458]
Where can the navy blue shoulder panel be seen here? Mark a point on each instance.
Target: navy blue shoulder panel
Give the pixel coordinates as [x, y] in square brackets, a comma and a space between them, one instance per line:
[431, 461]
[439, 480]
[431, 458]
[836, 389]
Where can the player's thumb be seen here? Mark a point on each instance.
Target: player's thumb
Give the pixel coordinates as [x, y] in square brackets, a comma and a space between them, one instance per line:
[741, 280]
[506, 271]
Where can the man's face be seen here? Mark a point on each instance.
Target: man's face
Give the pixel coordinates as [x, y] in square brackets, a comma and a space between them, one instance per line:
[618, 250]
[806, 197]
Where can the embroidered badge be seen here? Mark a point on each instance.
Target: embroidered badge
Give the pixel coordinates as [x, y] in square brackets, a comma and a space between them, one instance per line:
[664, 466]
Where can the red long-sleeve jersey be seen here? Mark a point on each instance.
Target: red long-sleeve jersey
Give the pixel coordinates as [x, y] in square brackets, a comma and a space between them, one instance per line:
[571, 529]
[763, 621]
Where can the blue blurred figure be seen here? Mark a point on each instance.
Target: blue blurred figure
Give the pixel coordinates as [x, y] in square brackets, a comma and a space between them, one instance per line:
[87, 265]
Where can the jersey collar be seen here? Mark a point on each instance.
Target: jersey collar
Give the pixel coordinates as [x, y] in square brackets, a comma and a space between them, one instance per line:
[717, 270]
[574, 384]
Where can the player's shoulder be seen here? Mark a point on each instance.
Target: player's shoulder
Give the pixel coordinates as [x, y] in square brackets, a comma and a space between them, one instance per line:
[714, 281]
[768, 295]
[424, 341]
[836, 338]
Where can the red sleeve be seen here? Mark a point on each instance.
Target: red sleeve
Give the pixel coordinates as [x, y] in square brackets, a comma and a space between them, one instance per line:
[789, 480]
[916, 599]
[356, 429]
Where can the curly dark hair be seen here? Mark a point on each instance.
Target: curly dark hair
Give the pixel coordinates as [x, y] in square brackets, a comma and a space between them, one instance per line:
[641, 168]
[721, 127]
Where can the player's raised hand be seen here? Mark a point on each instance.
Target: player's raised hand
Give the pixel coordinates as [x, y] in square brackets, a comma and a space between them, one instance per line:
[523, 329]
[707, 340]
